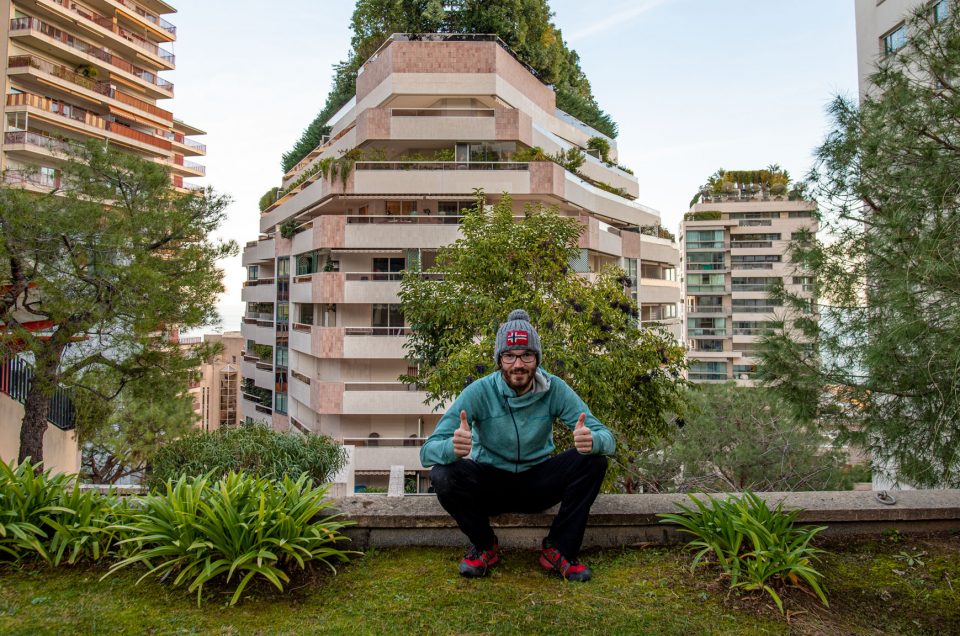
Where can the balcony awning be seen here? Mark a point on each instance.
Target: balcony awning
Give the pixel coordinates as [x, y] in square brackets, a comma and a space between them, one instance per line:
[126, 114]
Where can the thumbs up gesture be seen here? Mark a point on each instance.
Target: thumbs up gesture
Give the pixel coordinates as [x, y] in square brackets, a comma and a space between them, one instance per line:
[462, 437]
[582, 436]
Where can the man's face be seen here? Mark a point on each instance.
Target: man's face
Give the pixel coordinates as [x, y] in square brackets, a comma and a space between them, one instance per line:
[518, 367]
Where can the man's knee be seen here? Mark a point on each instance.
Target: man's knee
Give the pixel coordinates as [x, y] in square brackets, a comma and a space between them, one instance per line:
[448, 478]
[596, 464]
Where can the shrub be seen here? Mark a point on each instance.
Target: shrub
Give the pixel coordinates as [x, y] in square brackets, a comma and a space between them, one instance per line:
[48, 516]
[236, 529]
[755, 546]
[254, 449]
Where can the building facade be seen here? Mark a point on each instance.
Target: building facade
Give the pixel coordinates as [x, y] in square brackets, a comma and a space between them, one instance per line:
[432, 120]
[734, 245]
[75, 71]
[79, 71]
[216, 392]
[882, 31]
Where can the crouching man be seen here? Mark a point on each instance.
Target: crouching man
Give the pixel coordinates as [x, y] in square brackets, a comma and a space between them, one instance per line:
[492, 453]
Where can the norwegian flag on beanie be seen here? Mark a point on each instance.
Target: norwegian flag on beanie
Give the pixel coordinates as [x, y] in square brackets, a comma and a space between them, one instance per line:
[517, 333]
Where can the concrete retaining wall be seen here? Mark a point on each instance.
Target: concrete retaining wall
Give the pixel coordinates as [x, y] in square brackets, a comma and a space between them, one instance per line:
[625, 520]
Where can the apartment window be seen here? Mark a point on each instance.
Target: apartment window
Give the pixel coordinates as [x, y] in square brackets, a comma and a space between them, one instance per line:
[712, 346]
[48, 176]
[387, 315]
[283, 312]
[706, 327]
[754, 215]
[306, 313]
[756, 237]
[401, 208]
[698, 239]
[283, 357]
[752, 327]
[308, 263]
[280, 403]
[894, 40]
[388, 268]
[752, 283]
[17, 121]
[805, 214]
[704, 261]
[708, 371]
[253, 272]
[744, 371]
[755, 305]
[939, 10]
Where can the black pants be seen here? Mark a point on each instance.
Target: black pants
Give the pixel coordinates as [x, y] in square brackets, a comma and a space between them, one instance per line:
[472, 492]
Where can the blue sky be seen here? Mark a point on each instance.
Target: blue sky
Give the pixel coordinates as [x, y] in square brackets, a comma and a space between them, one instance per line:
[694, 85]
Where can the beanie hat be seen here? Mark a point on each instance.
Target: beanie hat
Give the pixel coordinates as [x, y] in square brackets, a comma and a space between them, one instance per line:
[517, 333]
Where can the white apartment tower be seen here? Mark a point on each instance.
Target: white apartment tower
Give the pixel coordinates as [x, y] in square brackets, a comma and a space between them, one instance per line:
[735, 244]
[433, 118]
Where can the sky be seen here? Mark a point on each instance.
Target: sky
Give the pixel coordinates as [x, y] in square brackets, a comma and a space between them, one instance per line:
[694, 85]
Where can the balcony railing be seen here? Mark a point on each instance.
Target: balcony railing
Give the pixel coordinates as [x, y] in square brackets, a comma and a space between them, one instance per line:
[149, 17]
[750, 244]
[706, 289]
[442, 112]
[705, 310]
[696, 333]
[108, 24]
[751, 266]
[707, 376]
[383, 441]
[377, 331]
[35, 139]
[755, 309]
[33, 24]
[28, 177]
[419, 219]
[441, 165]
[136, 135]
[180, 161]
[58, 108]
[16, 376]
[104, 88]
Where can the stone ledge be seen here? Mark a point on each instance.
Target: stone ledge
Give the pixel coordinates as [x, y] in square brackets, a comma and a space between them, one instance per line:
[619, 520]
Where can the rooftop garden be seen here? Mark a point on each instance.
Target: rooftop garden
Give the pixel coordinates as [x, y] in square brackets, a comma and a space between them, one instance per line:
[524, 27]
[770, 182]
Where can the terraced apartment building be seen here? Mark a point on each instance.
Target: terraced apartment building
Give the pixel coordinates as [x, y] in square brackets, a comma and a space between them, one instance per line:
[72, 72]
[434, 117]
[735, 244]
[75, 71]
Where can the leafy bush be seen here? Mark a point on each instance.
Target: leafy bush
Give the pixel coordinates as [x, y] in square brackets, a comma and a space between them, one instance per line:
[755, 546]
[238, 528]
[254, 449]
[48, 516]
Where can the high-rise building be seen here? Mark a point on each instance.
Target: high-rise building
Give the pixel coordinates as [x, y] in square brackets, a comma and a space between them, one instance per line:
[434, 117]
[75, 71]
[734, 245]
[882, 31]
[216, 392]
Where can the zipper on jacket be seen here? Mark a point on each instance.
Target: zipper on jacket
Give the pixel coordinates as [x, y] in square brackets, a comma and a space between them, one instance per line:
[516, 466]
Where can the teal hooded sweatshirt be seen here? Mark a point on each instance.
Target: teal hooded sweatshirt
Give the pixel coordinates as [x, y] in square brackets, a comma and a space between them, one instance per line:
[510, 432]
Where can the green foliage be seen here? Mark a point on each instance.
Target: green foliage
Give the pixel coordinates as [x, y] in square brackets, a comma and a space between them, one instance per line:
[601, 145]
[444, 154]
[47, 516]
[881, 364]
[758, 548]
[112, 260]
[118, 437]
[706, 215]
[269, 198]
[240, 526]
[524, 25]
[254, 449]
[264, 352]
[590, 333]
[770, 180]
[741, 438]
[288, 229]
[531, 154]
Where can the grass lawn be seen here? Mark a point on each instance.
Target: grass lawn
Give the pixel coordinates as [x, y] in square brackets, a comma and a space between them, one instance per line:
[888, 586]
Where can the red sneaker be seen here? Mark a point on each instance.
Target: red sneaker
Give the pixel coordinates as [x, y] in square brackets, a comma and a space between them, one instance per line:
[572, 570]
[476, 562]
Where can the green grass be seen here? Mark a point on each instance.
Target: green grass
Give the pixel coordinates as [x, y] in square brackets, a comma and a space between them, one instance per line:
[417, 590]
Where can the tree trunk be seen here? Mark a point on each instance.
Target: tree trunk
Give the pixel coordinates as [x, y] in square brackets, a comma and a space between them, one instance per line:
[36, 408]
[34, 425]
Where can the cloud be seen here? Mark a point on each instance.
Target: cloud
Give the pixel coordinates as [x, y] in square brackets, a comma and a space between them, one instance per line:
[615, 19]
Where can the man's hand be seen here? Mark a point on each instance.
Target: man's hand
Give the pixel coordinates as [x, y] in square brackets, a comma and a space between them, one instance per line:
[582, 436]
[463, 438]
